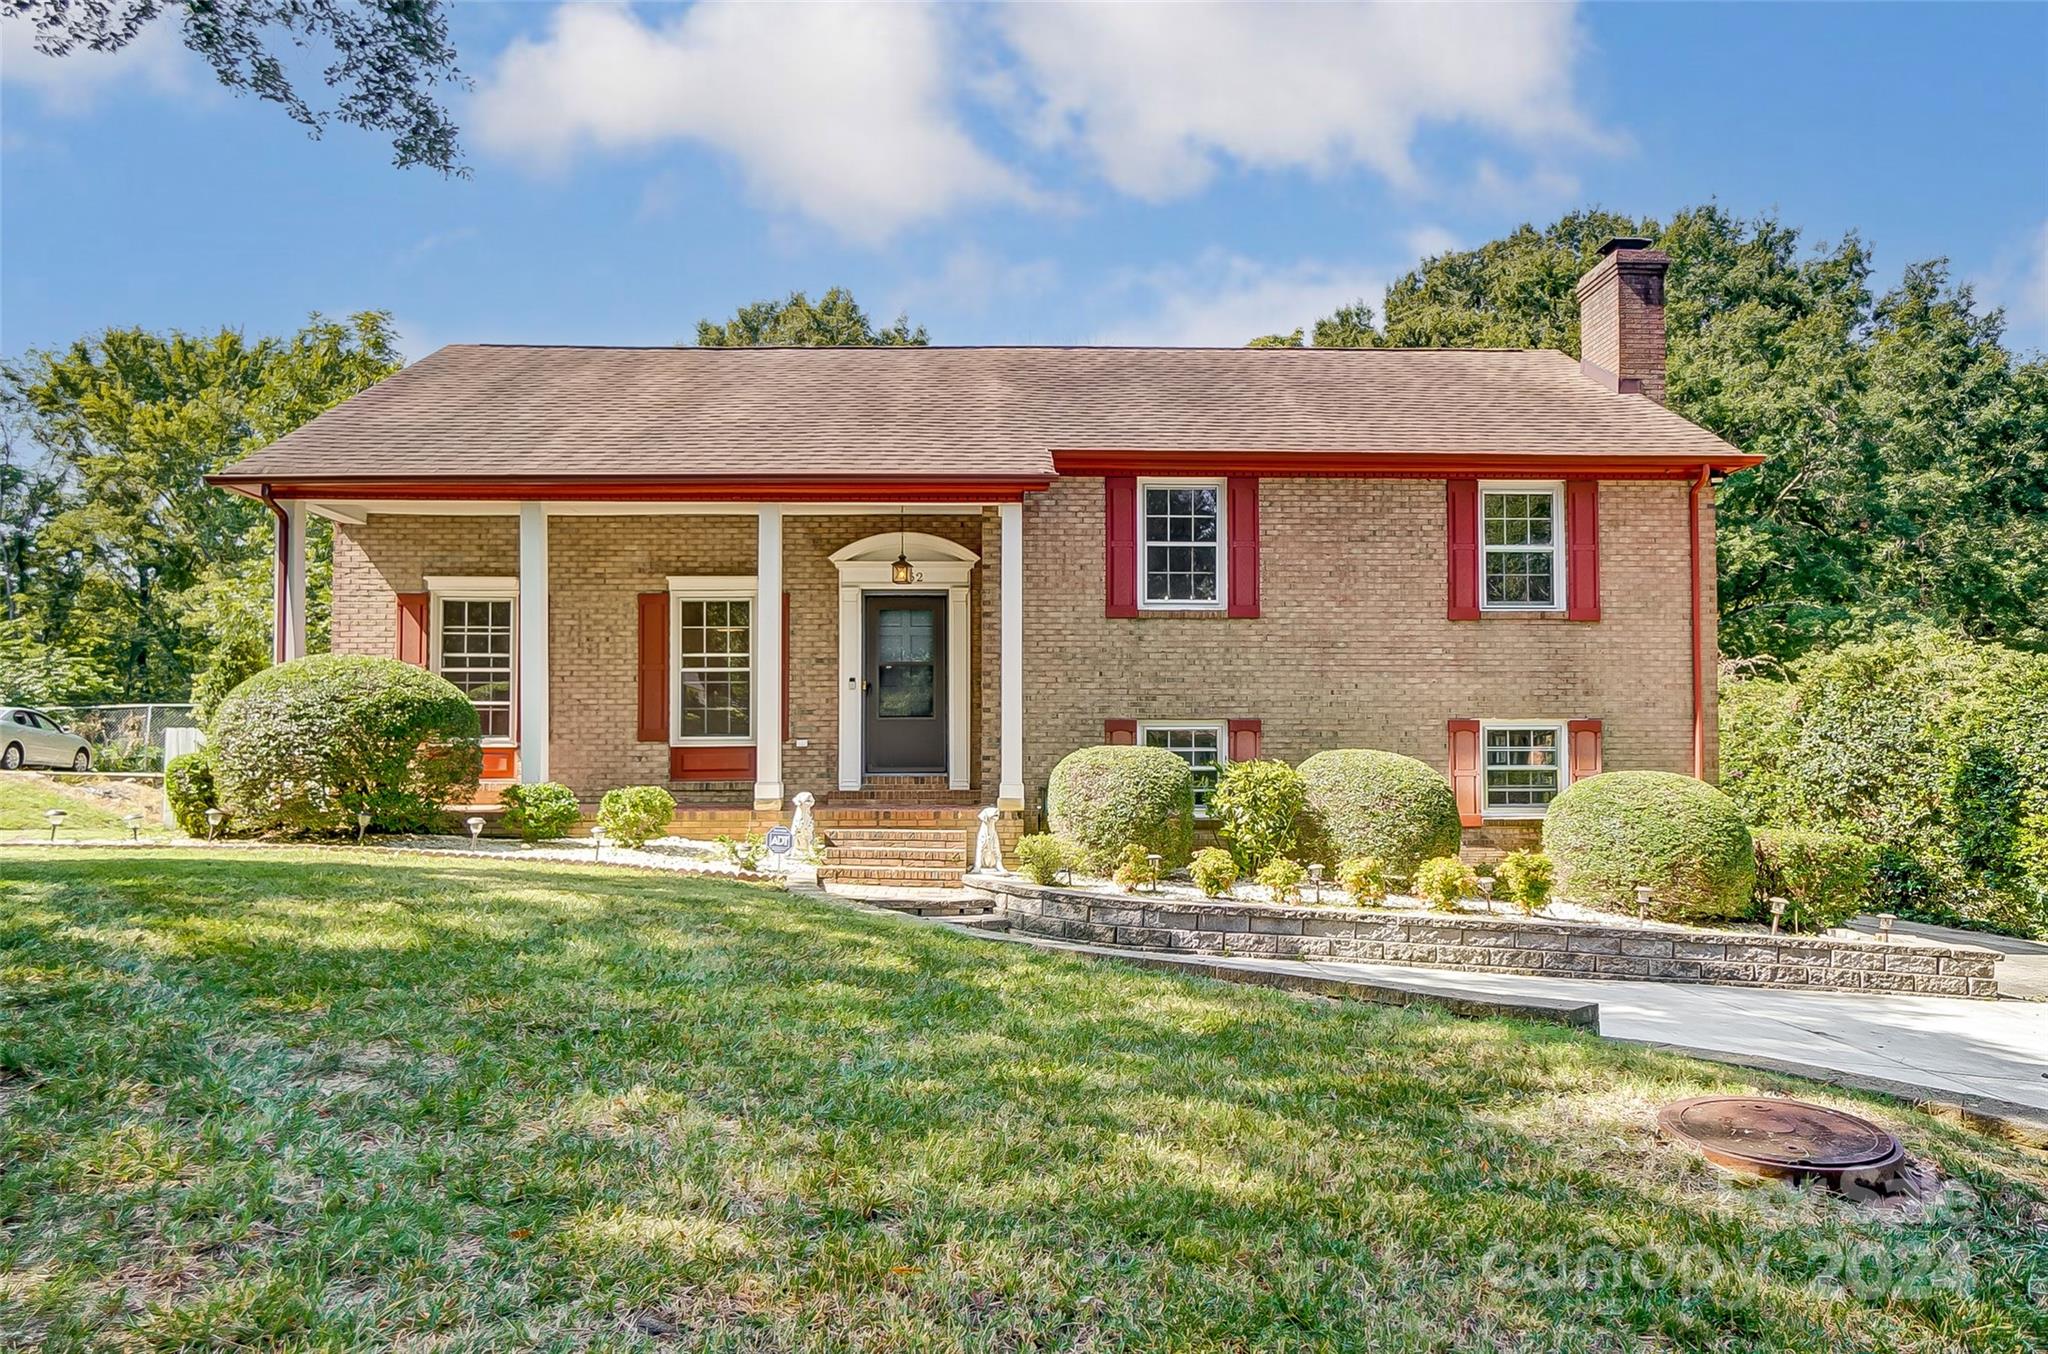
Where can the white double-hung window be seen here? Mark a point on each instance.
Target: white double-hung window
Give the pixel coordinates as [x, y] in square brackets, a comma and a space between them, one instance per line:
[473, 644]
[1521, 544]
[711, 639]
[1200, 745]
[1181, 536]
[1523, 768]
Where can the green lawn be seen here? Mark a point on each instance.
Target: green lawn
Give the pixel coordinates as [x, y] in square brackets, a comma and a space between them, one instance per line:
[334, 1100]
[26, 796]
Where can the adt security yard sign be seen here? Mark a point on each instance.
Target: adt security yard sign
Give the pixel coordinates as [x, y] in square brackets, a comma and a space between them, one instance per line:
[780, 840]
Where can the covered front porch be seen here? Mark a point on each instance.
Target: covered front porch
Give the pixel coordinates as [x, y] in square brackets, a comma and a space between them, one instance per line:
[737, 652]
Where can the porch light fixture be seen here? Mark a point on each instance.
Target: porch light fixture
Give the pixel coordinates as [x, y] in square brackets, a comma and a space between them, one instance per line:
[900, 571]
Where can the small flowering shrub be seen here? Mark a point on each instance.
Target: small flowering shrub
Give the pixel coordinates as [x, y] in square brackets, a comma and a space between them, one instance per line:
[1444, 882]
[188, 785]
[1283, 877]
[1363, 879]
[541, 812]
[1214, 871]
[1136, 870]
[1524, 879]
[635, 815]
[1043, 858]
[743, 853]
[1258, 805]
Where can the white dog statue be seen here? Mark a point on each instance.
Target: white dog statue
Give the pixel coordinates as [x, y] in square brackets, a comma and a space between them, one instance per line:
[988, 846]
[803, 828]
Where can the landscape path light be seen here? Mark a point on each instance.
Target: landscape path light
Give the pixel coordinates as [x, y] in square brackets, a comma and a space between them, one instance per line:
[1315, 882]
[362, 826]
[213, 817]
[134, 822]
[597, 843]
[1642, 902]
[1777, 913]
[1152, 859]
[56, 818]
[475, 824]
[1884, 926]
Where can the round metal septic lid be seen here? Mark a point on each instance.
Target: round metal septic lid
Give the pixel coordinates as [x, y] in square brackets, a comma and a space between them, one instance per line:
[1768, 1136]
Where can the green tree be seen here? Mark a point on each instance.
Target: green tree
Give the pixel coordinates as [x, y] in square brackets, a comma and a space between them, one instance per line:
[1292, 340]
[139, 568]
[34, 673]
[387, 56]
[1907, 470]
[834, 320]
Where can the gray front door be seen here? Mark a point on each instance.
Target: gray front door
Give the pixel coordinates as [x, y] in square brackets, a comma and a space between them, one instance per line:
[905, 684]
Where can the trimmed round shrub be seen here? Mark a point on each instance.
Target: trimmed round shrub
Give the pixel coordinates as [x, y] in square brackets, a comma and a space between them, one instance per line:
[305, 746]
[635, 815]
[1358, 802]
[1824, 877]
[1680, 836]
[1258, 805]
[188, 785]
[1104, 798]
[541, 812]
[1214, 871]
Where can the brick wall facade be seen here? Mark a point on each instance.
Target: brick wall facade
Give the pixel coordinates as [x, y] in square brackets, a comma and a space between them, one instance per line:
[1352, 648]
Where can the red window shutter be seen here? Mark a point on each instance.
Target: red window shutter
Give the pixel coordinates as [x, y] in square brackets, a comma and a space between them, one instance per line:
[1582, 549]
[1584, 736]
[1461, 501]
[1465, 770]
[1120, 732]
[1120, 545]
[653, 667]
[412, 628]
[1243, 512]
[1244, 737]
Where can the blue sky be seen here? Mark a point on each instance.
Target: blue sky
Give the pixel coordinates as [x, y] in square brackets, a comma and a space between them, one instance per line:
[1040, 174]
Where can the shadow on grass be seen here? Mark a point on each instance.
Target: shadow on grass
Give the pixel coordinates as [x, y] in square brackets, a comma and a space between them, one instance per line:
[483, 1095]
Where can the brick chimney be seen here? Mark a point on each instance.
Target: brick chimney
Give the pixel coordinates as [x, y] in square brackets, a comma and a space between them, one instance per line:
[1621, 319]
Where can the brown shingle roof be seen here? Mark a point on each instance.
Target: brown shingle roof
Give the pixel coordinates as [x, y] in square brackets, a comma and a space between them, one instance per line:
[482, 411]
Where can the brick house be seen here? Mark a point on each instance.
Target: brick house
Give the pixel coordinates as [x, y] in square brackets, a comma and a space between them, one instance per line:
[912, 579]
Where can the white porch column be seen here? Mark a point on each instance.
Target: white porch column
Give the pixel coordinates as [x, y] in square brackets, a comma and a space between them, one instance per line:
[291, 639]
[1010, 794]
[533, 643]
[768, 660]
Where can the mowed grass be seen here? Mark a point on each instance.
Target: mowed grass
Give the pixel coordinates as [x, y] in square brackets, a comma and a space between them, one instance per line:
[26, 796]
[336, 1100]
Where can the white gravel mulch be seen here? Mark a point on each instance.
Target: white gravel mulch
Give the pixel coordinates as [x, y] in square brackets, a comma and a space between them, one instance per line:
[683, 855]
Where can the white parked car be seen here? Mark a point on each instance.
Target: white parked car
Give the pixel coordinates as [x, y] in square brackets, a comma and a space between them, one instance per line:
[31, 738]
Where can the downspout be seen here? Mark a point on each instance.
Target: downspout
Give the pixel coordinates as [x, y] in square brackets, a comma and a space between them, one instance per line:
[280, 575]
[1699, 658]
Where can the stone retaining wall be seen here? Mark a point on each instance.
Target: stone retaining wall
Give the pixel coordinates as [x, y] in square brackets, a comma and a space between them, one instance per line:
[1493, 944]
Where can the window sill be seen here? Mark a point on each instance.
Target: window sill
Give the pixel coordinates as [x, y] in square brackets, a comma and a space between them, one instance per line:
[1521, 613]
[1186, 613]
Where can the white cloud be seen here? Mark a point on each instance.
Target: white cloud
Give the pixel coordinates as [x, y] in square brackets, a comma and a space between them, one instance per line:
[1429, 241]
[2017, 279]
[155, 60]
[841, 113]
[1160, 96]
[1227, 300]
[972, 279]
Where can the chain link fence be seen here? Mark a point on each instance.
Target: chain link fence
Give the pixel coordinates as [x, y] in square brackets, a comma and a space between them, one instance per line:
[125, 737]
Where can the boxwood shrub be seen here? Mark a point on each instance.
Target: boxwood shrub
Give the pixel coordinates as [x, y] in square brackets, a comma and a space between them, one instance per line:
[1682, 837]
[1104, 798]
[305, 746]
[1824, 877]
[1359, 802]
[635, 815]
[188, 785]
[1258, 810]
[541, 812]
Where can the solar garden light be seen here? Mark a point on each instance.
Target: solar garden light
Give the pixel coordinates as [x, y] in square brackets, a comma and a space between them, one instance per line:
[134, 822]
[362, 825]
[1778, 906]
[56, 817]
[1486, 890]
[213, 817]
[1642, 902]
[1884, 926]
[475, 825]
[1315, 882]
[597, 843]
[1152, 859]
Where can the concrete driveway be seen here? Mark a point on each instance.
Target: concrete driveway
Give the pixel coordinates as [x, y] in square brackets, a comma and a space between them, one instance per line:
[2023, 973]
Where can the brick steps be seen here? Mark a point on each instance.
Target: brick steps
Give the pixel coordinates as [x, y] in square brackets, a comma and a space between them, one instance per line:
[898, 856]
